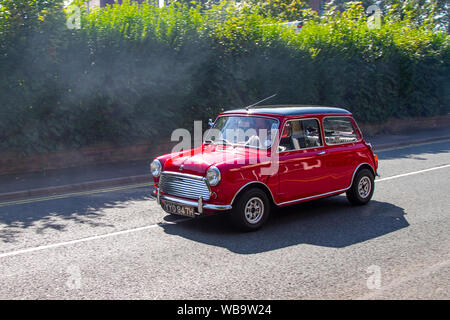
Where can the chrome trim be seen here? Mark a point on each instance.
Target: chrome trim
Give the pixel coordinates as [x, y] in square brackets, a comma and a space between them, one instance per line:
[184, 185]
[312, 197]
[214, 168]
[160, 168]
[207, 184]
[297, 119]
[359, 166]
[195, 204]
[340, 144]
[192, 176]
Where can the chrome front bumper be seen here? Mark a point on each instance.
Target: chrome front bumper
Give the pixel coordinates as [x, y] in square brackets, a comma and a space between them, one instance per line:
[190, 203]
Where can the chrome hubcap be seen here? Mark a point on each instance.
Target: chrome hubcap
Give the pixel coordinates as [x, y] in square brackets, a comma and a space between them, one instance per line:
[364, 187]
[254, 210]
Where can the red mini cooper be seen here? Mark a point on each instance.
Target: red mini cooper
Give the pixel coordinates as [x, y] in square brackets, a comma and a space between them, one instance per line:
[253, 160]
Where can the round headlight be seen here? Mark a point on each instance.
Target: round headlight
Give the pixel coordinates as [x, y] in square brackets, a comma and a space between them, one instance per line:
[213, 176]
[155, 168]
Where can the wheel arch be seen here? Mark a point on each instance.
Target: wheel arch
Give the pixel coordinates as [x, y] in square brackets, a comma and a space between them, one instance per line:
[361, 167]
[254, 184]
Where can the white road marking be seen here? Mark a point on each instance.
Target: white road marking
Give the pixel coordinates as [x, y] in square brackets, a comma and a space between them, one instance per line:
[413, 173]
[112, 234]
[102, 236]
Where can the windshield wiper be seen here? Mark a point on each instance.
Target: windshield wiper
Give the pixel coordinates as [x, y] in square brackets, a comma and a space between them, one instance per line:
[226, 142]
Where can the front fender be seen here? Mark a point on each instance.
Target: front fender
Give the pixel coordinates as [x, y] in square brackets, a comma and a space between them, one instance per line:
[236, 179]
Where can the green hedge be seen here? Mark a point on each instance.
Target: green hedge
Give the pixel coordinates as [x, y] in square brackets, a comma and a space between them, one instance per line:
[135, 72]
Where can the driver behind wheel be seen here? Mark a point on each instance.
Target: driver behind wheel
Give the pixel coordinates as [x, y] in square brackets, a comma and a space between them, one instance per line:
[263, 134]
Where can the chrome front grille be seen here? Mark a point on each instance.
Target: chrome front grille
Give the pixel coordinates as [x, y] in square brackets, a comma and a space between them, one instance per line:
[185, 186]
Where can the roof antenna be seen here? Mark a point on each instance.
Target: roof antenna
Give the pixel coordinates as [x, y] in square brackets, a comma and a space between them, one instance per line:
[252, 105]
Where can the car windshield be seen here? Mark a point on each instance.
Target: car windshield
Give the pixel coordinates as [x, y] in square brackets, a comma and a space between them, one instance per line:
[247, 131]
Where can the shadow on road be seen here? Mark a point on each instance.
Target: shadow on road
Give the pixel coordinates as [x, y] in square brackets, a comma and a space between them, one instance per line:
[56, 214]
[330, 222]
[415, 152]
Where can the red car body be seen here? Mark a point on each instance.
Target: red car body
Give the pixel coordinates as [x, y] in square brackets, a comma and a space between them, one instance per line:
[302, 175]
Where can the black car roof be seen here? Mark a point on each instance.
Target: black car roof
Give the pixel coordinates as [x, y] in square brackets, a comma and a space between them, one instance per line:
[290, 110]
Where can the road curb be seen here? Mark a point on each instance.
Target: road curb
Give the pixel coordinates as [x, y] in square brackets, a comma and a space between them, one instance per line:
[117, 182]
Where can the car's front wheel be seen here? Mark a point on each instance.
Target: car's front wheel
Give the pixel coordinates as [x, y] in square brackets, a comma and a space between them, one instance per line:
[362, 188]
[251, 210]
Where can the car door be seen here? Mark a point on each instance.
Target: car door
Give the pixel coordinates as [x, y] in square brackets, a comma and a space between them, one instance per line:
[342, 141]
[302, 173]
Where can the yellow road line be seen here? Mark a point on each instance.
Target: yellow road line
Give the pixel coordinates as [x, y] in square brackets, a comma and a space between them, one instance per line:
[74, 194]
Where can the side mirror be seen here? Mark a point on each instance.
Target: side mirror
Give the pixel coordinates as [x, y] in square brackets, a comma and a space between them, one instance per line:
[210, 123]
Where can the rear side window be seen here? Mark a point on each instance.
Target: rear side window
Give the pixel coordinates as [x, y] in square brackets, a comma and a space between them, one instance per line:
[339, 130]
[300, 134]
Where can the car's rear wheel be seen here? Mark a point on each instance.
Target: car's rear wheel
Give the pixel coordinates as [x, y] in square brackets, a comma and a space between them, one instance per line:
[362, 188]
[251, 210]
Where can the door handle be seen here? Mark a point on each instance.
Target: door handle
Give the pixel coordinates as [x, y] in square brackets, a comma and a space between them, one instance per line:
[321, 153]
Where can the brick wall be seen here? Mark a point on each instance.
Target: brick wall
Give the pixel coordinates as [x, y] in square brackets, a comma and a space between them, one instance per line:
[103, 153]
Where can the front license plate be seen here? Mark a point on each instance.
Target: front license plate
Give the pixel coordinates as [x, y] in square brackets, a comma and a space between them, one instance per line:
[172, 207]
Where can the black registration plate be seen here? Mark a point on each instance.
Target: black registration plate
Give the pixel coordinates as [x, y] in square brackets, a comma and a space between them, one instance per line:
[172, 207]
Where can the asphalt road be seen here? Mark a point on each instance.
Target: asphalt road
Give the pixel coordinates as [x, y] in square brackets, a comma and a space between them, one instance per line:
[118, 244]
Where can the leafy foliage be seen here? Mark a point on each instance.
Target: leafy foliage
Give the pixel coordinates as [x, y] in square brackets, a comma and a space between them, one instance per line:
[136, 72]
[434, 13]
[287, 10]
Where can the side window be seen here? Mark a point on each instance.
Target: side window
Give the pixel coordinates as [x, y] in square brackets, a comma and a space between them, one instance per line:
[339, 130]
[300, 134]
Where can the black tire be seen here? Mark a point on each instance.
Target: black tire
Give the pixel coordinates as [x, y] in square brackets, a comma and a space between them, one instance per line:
[249, 204]
[361, 194]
